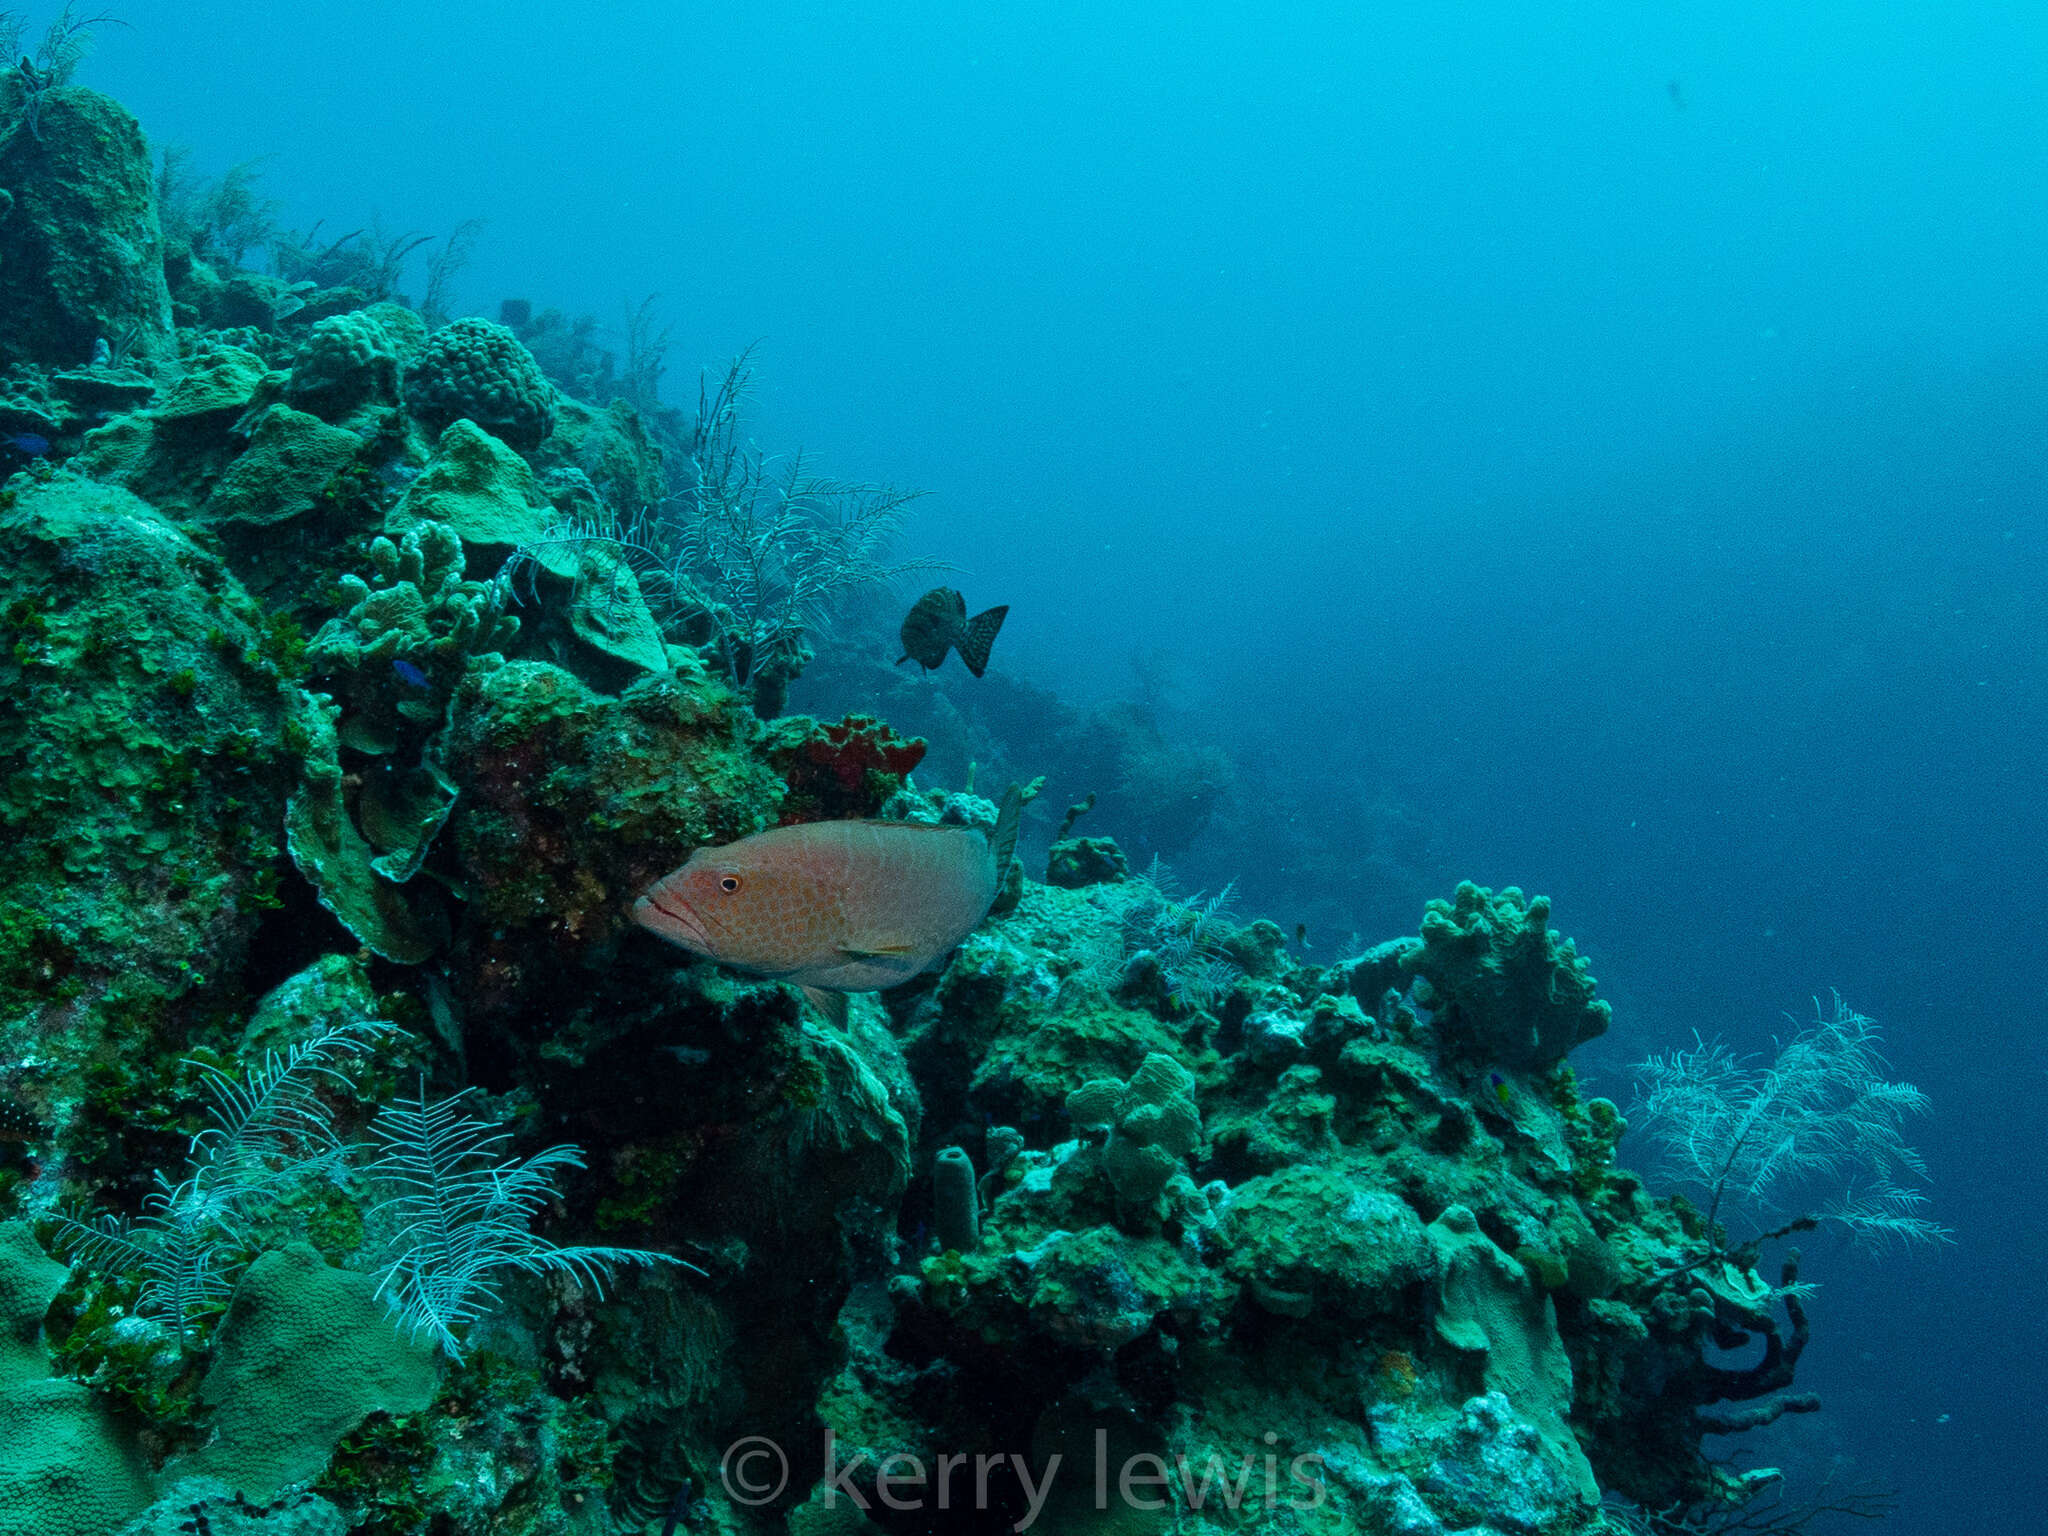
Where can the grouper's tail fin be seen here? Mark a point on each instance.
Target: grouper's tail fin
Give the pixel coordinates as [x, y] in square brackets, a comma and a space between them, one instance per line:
[1003, 841]
[977, 635]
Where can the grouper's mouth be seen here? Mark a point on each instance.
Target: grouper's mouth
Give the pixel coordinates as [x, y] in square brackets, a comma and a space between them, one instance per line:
[673, 918]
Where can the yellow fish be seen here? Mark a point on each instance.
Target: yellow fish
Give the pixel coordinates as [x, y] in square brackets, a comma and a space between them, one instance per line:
[835, 906]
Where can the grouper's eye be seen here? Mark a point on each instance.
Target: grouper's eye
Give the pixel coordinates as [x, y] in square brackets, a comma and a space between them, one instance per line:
[728, 883]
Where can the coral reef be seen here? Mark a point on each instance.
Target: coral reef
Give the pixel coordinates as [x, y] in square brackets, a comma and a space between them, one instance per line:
[1280, 1246]
[398, 649]
[481, 489]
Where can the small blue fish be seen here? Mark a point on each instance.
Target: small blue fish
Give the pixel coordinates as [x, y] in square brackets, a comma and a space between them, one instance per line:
[408, 673]
[1501, 1090]
[27, 443]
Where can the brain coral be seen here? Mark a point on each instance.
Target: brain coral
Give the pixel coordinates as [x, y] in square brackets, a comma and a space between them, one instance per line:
[478, 369]
[344, 360]
[66, 1468]
[304, 1355]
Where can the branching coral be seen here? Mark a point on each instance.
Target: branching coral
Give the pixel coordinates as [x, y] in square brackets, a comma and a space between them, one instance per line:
[417, 627]
[1759, 1504]
[368, 262]
[218, 219]
[422, 606]
[444, 265]
[1504, 989]
[395, 657]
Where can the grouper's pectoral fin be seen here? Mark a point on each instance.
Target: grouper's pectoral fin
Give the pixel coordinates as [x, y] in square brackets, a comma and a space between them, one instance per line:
[876, 952]
[830, 1004]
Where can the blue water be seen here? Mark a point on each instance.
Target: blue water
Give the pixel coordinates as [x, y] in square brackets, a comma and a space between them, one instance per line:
[1601, 448]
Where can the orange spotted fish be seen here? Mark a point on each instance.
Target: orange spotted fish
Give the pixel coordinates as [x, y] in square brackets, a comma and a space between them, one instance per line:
[835, 906]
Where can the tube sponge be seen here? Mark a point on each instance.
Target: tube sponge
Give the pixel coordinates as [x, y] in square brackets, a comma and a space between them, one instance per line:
[956, 1207]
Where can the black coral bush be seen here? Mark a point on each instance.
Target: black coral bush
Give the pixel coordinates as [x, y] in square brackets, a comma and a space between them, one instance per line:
[462, 1217]
[269, 1129]
[458, 1213]
[1820, 1126]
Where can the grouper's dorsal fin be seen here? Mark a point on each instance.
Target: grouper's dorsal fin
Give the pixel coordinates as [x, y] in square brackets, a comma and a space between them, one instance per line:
[1003, 841]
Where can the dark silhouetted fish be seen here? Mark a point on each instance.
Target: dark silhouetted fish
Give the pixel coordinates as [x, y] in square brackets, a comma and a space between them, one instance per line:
[31, 444]
[938, 623]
